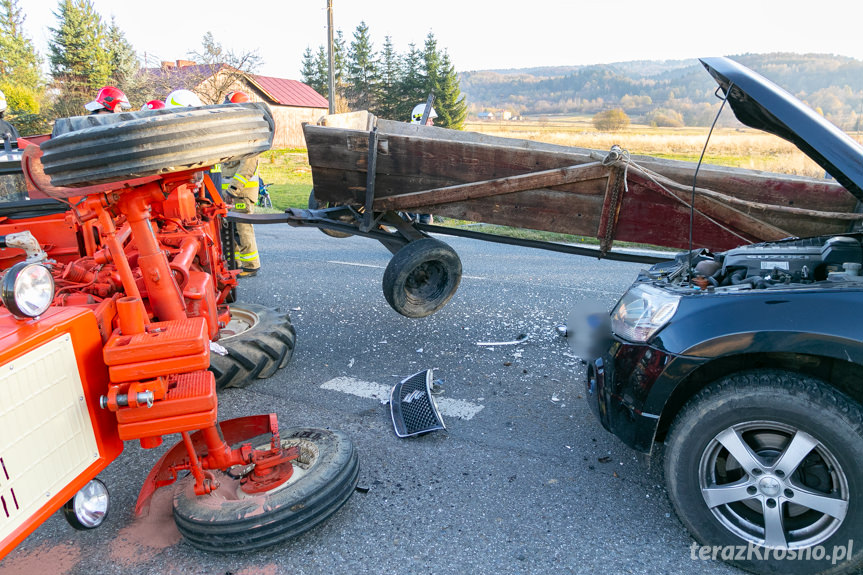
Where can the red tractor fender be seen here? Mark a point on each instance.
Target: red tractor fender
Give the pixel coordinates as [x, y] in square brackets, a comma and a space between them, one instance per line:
[234, 431]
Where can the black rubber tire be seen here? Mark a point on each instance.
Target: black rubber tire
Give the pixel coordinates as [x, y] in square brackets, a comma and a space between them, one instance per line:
[422, 277]
[256, 353]
[103, 148]
[218, 523]
[764, 407]
[314, 204]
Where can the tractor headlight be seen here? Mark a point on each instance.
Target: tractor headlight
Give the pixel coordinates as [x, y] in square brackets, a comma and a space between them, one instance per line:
[642, 312]
[28, 289]
[89, 508]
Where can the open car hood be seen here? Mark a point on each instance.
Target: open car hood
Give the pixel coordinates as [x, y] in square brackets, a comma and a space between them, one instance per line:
[759, 103]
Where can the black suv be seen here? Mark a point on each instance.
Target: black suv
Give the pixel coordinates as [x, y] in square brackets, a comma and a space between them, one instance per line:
[748, 366]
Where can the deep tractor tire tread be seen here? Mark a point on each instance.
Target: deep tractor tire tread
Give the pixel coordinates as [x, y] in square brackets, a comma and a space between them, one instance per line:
[734, 392]
[104, 148]
[240, 526]
[256, 353]
[402, 265]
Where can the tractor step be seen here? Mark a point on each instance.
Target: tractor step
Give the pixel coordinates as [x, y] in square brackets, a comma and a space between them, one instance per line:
[413, 409]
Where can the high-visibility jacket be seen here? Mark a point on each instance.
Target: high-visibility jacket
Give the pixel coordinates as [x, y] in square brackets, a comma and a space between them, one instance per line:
[239, 176]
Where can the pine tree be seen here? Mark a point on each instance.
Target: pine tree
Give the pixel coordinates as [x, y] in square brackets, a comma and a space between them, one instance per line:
[362, 74]
[20, 72]
[411, 86]
[431, 65]
[20, 76]
[80, 65]
[310, 72]
[122, 58]
[390, 75]
[450, 103]
[322, 65]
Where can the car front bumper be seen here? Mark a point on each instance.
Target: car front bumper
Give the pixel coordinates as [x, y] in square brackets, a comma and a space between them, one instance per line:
[628, 386]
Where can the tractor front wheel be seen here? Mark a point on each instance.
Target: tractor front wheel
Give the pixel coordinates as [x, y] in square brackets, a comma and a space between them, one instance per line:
[230, 520]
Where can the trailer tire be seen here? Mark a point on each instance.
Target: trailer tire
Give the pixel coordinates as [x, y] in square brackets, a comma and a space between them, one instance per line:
[228, 520]
[314, 204]
[422, 277]
[259, 341]
[98, 149]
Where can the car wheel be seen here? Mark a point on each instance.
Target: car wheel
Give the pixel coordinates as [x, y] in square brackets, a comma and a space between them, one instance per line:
[766, 469]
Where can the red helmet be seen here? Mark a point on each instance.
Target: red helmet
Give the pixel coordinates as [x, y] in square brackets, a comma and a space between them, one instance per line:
[109, 98]
[236, 97]
[153, 105]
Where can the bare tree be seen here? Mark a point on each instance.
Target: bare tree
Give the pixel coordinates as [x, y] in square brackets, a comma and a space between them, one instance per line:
[221, 71]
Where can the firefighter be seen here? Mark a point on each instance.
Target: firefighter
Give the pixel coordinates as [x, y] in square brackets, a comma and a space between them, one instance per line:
[236, 97]
[240, 182]
[416, 118]
[153, 105]
[182, 98]
[109, 100]
[417, 115]
[7, 130]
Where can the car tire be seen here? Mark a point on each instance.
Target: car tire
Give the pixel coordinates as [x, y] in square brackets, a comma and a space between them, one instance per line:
[227, 520]
[259, 341]
[795, 480]
[422, 277]
[104, 148]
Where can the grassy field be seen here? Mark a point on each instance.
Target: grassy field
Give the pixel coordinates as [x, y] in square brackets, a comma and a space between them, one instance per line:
[290, 175]
[743, 147]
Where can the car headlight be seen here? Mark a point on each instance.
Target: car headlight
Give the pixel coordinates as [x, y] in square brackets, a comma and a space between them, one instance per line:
[642, 312]
[28, 290]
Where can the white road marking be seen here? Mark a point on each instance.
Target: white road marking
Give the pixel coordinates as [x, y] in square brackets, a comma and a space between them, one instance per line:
[356, 264]
[371, 390]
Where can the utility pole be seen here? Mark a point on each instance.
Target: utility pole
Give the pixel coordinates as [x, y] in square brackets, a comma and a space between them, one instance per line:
[331, 57]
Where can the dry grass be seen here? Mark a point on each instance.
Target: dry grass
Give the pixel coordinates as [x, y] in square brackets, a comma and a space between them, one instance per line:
[744, 148]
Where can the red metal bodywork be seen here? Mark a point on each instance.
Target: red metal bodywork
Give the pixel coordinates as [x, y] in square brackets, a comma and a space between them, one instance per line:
[18, 337]
[141, 286]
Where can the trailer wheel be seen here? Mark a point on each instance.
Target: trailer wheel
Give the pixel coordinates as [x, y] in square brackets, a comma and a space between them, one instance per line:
[314, 204]
[88, 150]
[229, 520]
[422, 277]
[259, 341]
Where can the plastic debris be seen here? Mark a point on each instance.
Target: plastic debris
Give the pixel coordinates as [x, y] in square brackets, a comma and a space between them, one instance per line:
[522, 337]
[218, 348]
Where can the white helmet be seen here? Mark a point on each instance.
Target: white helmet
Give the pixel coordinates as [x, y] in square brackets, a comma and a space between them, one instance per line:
[2, 102]
[179, 98]
[417, 114]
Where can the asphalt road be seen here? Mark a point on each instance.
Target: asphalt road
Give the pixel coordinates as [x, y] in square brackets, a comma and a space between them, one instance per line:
[525, 480]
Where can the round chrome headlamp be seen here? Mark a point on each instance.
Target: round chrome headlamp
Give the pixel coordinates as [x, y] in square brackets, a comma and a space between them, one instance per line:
[28, 290]
[89, 508]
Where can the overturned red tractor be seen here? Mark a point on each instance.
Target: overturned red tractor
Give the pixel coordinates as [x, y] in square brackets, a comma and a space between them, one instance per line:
[118, 324]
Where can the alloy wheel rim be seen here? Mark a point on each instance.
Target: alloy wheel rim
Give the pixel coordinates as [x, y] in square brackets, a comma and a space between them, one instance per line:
[774, 485]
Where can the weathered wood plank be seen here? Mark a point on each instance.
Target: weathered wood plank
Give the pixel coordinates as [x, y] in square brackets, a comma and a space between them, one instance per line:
[500, 186]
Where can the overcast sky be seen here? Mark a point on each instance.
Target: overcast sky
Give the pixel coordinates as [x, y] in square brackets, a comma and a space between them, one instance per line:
[481, 34]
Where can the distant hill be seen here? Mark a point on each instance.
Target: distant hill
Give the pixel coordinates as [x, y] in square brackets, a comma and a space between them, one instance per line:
[668, 92]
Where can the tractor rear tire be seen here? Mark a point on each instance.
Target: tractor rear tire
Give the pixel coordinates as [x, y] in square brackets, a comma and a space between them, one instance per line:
[228, 520]
[422, 277]
[259, 341]
[104, 148]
